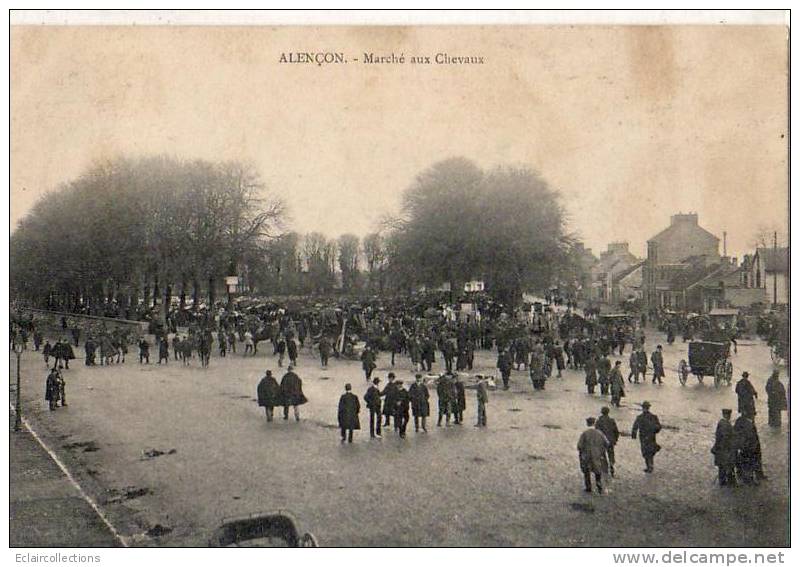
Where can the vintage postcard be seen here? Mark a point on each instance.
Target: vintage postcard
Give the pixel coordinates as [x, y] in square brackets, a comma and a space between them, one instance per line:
[515, 283]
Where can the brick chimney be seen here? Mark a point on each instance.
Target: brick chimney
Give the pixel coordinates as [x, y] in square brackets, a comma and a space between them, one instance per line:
[684, 218]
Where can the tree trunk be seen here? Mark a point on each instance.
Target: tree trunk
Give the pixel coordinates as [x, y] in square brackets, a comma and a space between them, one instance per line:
[156, 290]
[182, 303]
[195, 293]
[212, 293]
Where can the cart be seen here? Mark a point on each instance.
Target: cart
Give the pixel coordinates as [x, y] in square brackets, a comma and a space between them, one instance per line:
[708, 358]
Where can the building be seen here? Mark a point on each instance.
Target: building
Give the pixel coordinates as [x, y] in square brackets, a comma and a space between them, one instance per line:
[769, 270]
[627, 284]
[614, 261]
[726, 286]
[678, 256]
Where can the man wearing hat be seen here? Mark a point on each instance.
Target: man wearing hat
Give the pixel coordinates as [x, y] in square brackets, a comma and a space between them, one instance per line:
[592, 447]
[747, 394]
[657, 358]
[647, 426]
[292, 393]
[482, 393]
[269, 394]
[420, 406]
[444, 391]
[401, 405]
[776, 399]
[724, 450]
[504, 365]
[373, 400]
[608, 426]
[349, 408]
[389, 392]
[617, 384]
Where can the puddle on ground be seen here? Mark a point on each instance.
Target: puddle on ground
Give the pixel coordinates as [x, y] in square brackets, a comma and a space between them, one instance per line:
[582, 507]
[153, 453]
[158, 530]
[551, 426]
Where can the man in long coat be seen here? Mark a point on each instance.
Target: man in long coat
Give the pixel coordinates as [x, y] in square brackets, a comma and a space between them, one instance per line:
[647, 426]
[603, 373]
[748, 445]
[444, 391]
[368, 364]
[459, 399]
[349, 408]
[592, 447]
[52, 390]
[389, 393]
[657, 359]
[269, 394]
[420, 406]
[724, 450]
[591, 375]
[401, 405]
[504, 364]
[617, 384]
[292, 393]
[776, 399]
[608, 426]
[747, 394]
[373, 400]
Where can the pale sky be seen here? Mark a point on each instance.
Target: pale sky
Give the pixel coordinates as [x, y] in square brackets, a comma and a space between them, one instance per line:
[630, 124]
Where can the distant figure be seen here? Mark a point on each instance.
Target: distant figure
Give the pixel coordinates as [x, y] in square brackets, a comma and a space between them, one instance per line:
[592, 447]
[349, 408]
[401, 405]
[53, 388]
[459, 400]
[608, 426]
[590, 369]
[389, 393]
[420, 406]
[47, 351]
[617, 384]
[657, 359]
[292, 393]
[747, 395]
[144, 351]
[647, 426]
[482, 394]
[748, 459]
[724, 450]
[269, 394]
[504, 365]
[324, 350]
[373, 400]
[291, 350]
[776, 399]
[444, 391]
[163, 350]
[368, 362]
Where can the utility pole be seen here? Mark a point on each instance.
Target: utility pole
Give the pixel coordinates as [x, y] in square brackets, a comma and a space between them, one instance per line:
[775, 269]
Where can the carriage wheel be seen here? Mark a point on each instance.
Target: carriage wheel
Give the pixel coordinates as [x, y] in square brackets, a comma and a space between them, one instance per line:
[719, 373]
[683, 372]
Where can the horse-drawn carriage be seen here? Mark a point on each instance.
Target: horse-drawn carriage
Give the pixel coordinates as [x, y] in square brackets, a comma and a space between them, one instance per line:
[707, 358]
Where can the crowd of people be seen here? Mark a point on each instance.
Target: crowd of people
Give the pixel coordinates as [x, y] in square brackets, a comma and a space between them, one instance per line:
[539, 340]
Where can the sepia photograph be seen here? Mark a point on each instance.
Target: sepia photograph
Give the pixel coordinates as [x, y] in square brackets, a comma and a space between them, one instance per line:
[502, 279]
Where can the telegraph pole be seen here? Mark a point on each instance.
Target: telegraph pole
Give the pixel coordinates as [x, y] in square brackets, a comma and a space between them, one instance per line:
[775, 269]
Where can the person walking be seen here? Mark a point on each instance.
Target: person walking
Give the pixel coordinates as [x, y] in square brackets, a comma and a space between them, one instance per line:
[52, 390]
[292, 393]
[746, 396]
[401, 405]
[608, 426]
[420, 406]
[144, 351]
[776, 399]
[163, 350]
[603, 374]
[349, 408]
[657, 359]
[325, 349]
[291, 350]
[373, 401]
[592, 448]
[646, 426]
[389, 393]
[459, 399]
[368, 364]
[617, 384]
[590, 370]
[269, 394]
[482, 394]
[505, 365]
[444, 391]
[748, 458]
[724, 450]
